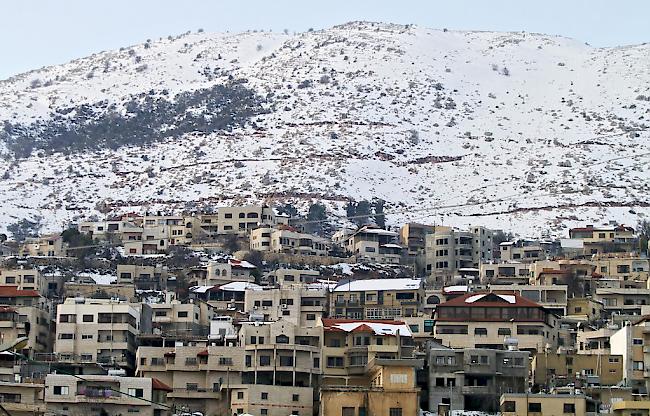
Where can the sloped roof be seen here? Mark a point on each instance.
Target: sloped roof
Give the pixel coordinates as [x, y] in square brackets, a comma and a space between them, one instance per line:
[377, 327]
[159, 385]
[14, 292]
[491, 299]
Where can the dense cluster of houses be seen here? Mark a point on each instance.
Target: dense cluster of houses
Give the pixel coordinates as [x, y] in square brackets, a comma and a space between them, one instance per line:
[262, 318]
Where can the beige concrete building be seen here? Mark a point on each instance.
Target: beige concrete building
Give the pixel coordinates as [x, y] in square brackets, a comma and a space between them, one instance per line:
[24, 278]
[527, 251]
[450, 252]
[413, 237]
[237, 220]
[553, 369]
[598, 240]
[624, 302]
[22, 399]
[584, 309]
[626, 267]
[26, 313]
[493, 319]
[596, 342]
[629, 343]
[350, 345]
[515, 404]
[631, 408]
[289, 277]
[97, 330]
[51, 245]
[70, 395]
[124, 292]
[373, 245]
[302, 305]
[505, 273]
[376, 299]
[288, 241]
[176, 319]
[226, 271]
[387, 387]
[143, 277]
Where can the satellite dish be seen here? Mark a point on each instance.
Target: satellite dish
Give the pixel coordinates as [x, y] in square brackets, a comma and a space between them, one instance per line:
[17, 344]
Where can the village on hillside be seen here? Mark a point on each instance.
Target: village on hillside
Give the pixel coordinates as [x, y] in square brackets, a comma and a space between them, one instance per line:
[255, 310]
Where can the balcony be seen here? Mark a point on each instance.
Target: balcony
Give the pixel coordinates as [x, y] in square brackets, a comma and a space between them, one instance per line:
[476, 390]
[198, 393]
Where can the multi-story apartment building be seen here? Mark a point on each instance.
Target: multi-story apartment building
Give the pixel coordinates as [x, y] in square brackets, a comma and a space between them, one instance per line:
[289, 276]
[376, 298]
[228, 297]
[373, 245]
[25, 313]
[451, 252]
[233, 220]
[227, 270]
[629, 342]
[99, 395]
[511, 273]
[552, 369]
[143, 277]
[521, 250]
[51, 245]
[22, 399]
[387, 387]
[299, 304]
[350, 345]
[474, 379]
[99, 331]
[594, 341]
[179, 319]
[626, 267]
[288, 241]
[414, 237]
[597, 240]
[622, 303]
[492, 319]
[552, 297]
[24, 278]
[200, 375]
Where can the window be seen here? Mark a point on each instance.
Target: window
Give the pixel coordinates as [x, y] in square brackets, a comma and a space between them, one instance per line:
[295, 397]
[347, 411]
[225, 361]
[265, 360]
[66, 336]
[136, 392]
[89, 357]
[395, 411]
[88, 318]
[311, 317]
[637, 341]
[569, 408]
[335, 362]
[240, 395]
[86, 336]
[282, 339]
[192, 386]
[182, 314]
[484, 359]
[519, 362]
[480, 331]
[534, 407]
[637, 365]
[161, 313]
[286, 361]
[503, 331]
[61, 390]
[265, 396]
[509, 406]
[249, 361]
[228, 216]
[190, 361]
[264, 412]
[415, 328]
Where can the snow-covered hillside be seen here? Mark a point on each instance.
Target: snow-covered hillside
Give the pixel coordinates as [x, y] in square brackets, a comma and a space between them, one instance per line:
[519, 131]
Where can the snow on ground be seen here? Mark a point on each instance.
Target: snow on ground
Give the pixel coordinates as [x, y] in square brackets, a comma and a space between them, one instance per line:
[518, 131]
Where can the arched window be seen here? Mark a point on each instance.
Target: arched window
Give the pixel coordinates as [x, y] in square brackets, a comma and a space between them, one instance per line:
[282, 339]
[252, 215]
[433, 300]
[242, 215]
[223, 272]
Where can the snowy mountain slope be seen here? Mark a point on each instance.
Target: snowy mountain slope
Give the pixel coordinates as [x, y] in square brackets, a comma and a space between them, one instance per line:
[418, 117]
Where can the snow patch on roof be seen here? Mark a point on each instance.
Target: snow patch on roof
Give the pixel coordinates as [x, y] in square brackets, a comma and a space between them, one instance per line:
[507, 298]
[379, 284]
[378, 328]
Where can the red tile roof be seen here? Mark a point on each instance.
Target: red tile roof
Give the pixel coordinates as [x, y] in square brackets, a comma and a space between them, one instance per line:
[203, 353]
[14, 292]
[159, 385]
